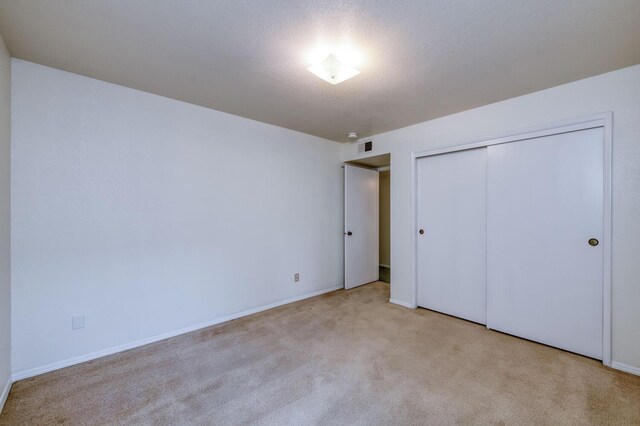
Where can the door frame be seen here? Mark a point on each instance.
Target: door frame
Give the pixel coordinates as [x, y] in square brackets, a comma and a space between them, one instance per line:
[603, 120]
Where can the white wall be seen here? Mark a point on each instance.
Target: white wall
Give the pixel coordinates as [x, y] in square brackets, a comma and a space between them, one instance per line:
[149, 215]
[618, 91]
[5, 223]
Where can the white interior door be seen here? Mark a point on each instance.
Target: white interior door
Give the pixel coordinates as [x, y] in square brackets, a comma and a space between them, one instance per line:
[545, 203]
[451, 214]
[361, 249]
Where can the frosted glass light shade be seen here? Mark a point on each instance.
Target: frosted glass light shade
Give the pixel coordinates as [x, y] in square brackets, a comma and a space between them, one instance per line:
[332, 70]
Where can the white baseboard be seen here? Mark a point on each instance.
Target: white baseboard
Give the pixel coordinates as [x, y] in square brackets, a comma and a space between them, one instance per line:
[5, 393]
[627, 368]
[401, 303]
[23, 374]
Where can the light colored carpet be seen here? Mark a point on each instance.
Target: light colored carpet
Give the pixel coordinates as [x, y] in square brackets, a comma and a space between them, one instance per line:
[342, 358]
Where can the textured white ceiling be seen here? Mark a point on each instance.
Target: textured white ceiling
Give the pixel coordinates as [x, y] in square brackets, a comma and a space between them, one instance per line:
[424, 59]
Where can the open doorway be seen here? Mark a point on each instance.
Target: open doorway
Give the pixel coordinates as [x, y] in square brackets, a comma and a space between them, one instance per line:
[367, 230]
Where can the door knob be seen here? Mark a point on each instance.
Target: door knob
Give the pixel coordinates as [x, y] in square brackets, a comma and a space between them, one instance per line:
[593, 242]
[349, 233]
[421, 231]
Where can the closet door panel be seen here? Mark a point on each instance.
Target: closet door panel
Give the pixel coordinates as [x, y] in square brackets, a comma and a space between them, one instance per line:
[451, 204]
[544, 205]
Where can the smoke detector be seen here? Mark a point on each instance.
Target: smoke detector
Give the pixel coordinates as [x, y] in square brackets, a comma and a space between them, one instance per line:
[352, 135]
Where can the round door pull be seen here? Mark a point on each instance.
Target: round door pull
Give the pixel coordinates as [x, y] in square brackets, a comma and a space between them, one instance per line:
[593, 242]
[349, 233]
[421, 231]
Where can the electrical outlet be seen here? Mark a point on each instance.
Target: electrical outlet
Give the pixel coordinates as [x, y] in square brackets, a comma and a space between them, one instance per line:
[77, 322]
[296, 277]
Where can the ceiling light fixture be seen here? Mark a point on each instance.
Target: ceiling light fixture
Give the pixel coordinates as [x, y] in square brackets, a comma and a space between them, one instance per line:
[337, 66]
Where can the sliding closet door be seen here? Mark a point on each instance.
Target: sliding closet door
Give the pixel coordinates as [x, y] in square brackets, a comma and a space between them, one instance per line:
[451, 202]
[545, 230]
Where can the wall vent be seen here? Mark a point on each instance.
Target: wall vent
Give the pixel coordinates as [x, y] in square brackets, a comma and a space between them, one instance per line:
[365, 146]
